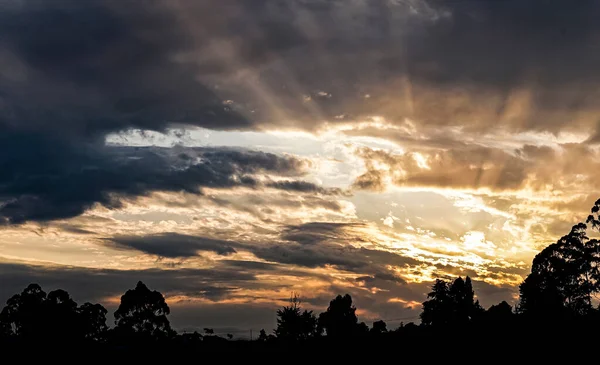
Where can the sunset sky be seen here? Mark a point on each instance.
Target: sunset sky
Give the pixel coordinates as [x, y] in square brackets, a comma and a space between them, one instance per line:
[230, 152]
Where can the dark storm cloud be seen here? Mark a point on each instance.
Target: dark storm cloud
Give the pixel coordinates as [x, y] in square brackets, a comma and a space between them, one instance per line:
[73, 72]
[173, 245]
[311, 245]
[444, 62]
[303, 187]
[320, 244]
[85, 68]
[49, 180]
[92, 67]
[343, 257]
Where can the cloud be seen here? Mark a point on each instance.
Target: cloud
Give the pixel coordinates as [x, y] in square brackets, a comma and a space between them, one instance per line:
[63, 93]
[322, 244]
[48, 181]
[467, 63]
[174, 245]
[255, 65]
[124, 79]
[311, 245]
[102, 284]
[381, 276]
[466, 168]
[297, 63]
[304, 187]
[528, 167]
[317, 232]
[347, 258]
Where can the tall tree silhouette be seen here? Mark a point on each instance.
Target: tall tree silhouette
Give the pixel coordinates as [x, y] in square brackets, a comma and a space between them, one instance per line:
[143, 313]
[437, 311]
[23, 314]
[295, 324]
[564, 276]
[450, 304]
[463, 301]
[92, 321]
[60, 315]
[339, 320]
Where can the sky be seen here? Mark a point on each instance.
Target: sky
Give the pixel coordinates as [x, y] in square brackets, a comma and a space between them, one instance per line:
[229, 153]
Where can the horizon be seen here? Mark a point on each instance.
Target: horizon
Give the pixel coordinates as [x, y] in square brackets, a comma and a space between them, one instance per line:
[230, 153]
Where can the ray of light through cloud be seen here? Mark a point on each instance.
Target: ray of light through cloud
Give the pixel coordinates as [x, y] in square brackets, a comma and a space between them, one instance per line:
[230, 153]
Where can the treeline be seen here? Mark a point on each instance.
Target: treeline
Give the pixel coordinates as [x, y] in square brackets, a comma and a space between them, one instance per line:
[560, 292]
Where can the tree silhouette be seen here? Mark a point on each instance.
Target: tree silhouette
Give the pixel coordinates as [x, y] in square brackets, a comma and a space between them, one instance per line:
[23, 315]
[92, 319]
[61, 315]
[295, 324]
[564, 276]
[34, 316]
[340, 318]
[209, 331]
[450, 304]
[437, 311]
[143, 313]
[379, 327]
[463, 305]
[460, 301]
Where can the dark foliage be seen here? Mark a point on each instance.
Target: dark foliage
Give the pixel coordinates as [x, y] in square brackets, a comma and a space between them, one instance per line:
[450, 304]
[143, 315]
[293, 324]
[379, 327]
[565, 276]
[339, 320]
[36, 317]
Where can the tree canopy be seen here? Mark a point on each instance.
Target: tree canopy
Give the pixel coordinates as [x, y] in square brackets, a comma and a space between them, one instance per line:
[339, 320]
[34, 316]
[565, 276]
[143, 313]
[295, 324]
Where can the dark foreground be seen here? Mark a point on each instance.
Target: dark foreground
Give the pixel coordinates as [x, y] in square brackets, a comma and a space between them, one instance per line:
[508, 343]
